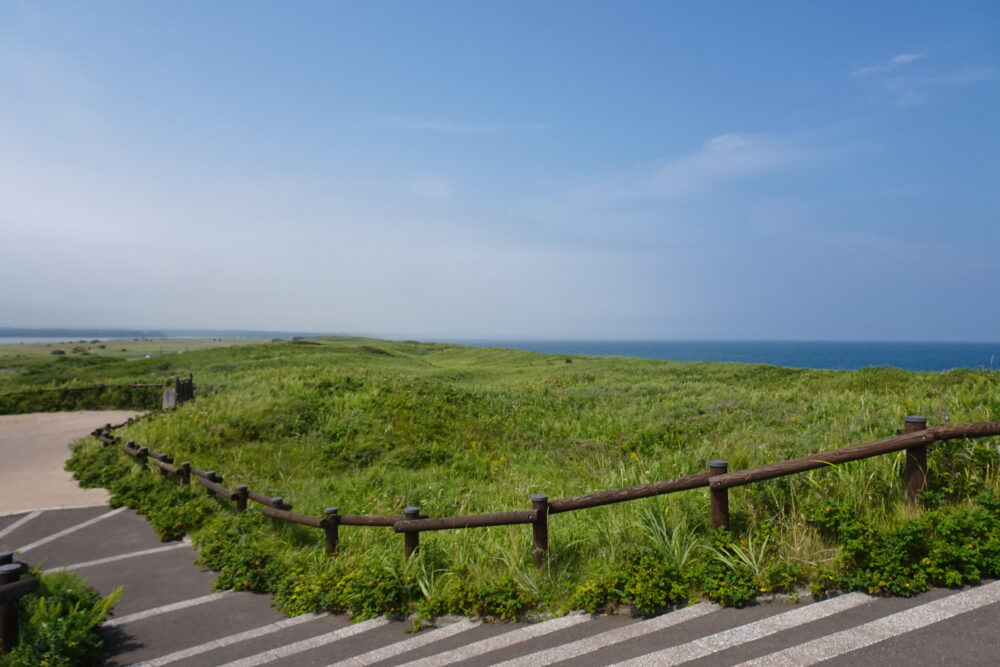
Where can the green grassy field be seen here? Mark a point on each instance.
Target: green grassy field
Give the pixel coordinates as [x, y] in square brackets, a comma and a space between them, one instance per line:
[371, 426]
[16, 358]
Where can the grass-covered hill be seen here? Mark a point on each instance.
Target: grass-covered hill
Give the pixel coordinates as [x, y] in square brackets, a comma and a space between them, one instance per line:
[371, 426]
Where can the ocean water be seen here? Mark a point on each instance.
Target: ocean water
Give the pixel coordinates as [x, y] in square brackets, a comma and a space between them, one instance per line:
[797, 354]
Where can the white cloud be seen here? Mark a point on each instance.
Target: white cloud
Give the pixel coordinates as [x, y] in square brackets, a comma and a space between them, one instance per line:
[627, 208]
[908, 88]
[894, 63]
[726, 157]
[405, 123]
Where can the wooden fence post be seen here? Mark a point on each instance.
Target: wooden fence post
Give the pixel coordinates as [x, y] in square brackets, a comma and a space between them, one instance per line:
[210, 476]
[278, 503]
[9, 573]
[411, 539]
[720, 497]
[332, 529]
[916, 460]
[242, 493]
[185, 472]
[143, 456]
[540, 528]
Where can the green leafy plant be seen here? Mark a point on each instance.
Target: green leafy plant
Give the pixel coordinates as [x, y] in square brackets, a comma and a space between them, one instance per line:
[60, 624]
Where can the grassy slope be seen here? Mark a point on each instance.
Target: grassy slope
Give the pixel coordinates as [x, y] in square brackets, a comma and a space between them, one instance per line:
[372, 426]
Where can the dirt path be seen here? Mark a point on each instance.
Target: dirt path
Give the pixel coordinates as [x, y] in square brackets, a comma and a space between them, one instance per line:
[33, 448]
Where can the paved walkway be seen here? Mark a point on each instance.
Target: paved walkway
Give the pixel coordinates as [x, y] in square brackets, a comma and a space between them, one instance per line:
[33, 450]
[169, 615]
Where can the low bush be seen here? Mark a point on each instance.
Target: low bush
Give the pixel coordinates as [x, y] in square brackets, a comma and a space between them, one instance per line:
[950, 546]
[60, 624]
[172, 509]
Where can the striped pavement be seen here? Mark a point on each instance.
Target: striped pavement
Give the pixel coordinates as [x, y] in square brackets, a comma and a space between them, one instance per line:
[169, 615]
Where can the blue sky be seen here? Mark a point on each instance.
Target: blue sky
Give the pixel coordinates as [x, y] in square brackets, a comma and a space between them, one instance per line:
[824, 171]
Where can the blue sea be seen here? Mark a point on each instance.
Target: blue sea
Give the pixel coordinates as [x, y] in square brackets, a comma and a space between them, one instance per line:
[797, 354]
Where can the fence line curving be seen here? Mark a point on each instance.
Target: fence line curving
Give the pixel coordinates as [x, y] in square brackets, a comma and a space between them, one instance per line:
[914, 438]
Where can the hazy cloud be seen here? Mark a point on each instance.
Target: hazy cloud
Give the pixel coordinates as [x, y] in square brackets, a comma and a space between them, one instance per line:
[725, 158]
[427, 186]
[894, 63]
[909, 88]
[627, 207]
[405, 123]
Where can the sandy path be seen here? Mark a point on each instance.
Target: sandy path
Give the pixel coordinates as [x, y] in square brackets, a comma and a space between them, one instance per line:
[33, 448]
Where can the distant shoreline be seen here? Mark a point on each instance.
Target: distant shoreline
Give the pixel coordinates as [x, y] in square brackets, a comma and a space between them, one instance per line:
[821, 355]
[65, 334]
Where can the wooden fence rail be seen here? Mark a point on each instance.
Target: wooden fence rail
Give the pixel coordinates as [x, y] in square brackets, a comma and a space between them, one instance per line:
[913, 438]
[469, 521]
[630, 493]
[293, 517]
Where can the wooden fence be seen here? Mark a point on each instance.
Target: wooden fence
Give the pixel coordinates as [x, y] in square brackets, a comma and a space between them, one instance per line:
[914, 438]
[12, 589]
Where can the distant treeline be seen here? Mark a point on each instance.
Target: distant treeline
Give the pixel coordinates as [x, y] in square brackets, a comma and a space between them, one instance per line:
[10, 332]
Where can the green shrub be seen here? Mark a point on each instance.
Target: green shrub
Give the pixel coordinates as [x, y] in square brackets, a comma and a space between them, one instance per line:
[60, 624]
[647, 581]
[237, 550]
[172, 509]
[944, 547]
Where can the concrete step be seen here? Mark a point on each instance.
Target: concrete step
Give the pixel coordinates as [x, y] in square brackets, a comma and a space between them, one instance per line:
[30, 527]
[213, 617]
[115, 533]
[704, 634]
